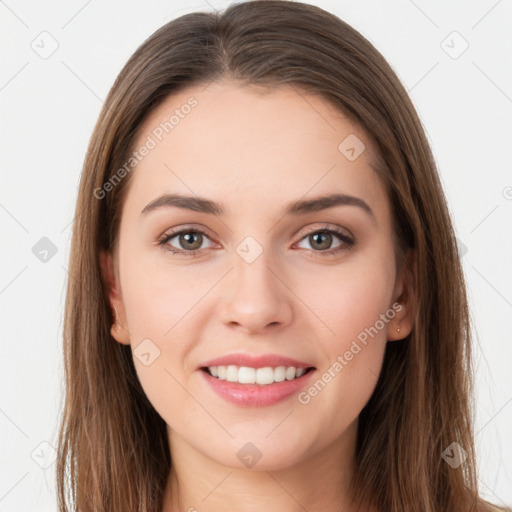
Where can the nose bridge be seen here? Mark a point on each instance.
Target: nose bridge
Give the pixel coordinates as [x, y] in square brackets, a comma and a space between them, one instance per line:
[253, 269]
[256, 297]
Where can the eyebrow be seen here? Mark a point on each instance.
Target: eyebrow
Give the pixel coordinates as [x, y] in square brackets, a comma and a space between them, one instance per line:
[301, 207]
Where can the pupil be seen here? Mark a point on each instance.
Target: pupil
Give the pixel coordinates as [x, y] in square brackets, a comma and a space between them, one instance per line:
[189, 239]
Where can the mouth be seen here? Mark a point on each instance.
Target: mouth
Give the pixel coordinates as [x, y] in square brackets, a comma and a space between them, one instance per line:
[264, 376]
[247, 386]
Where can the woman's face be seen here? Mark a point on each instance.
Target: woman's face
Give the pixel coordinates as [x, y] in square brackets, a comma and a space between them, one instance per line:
[253, 275]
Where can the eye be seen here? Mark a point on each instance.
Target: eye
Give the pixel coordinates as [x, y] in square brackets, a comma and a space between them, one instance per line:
[190, 241]
[321, 240]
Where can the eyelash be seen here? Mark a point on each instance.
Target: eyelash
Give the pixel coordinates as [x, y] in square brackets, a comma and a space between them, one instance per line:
[347, 244]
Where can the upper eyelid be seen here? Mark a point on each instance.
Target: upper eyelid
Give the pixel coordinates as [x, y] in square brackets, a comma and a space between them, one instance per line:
[327, 227]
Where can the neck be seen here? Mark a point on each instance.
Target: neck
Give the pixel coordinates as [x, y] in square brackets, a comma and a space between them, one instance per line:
[317, 481]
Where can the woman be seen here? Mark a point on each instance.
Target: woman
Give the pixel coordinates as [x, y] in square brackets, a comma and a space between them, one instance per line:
[216, 356]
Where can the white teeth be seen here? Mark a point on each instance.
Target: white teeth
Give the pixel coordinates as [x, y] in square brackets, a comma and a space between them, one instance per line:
[280, 373]
[300, 372]
[265, 375]
[246, 375]
[290, 373]
[232, 373]
[261, 376]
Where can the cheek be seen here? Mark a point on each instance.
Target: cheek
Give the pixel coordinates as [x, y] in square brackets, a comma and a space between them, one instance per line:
[350, 298]
[354, 303]
[159, 306]
[158, 296]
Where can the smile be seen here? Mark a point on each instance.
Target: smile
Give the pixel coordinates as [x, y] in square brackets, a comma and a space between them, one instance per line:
[266, 385]
[261, 376]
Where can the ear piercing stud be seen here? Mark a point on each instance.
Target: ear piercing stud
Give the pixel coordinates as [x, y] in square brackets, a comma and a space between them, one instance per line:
[398, 328]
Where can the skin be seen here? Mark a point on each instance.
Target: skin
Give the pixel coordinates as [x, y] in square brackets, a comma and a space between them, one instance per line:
[255, 153]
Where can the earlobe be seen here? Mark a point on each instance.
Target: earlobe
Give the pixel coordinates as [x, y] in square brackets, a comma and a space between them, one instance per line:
[118, 330]
[403, 322]
[119, 333]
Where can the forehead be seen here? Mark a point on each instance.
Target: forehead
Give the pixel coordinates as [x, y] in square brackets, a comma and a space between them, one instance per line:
[257, 144]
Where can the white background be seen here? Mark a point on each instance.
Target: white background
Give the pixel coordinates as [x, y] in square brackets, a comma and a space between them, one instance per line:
[48, 110]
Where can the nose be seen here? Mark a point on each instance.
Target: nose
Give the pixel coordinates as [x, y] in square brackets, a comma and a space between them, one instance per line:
[255, 297]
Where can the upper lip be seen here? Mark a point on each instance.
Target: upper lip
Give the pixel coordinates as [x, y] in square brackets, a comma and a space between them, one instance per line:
[273, 360]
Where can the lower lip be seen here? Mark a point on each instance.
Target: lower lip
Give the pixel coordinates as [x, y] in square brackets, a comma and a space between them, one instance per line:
[254, 395]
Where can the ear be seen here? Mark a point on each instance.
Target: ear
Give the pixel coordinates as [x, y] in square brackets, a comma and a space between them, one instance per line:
[403, 299]
[118, 330]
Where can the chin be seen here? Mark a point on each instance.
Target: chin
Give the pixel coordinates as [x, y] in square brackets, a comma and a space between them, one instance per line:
[260, 455]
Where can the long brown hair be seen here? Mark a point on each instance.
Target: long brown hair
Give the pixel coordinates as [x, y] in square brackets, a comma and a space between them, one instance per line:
[113, 452]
